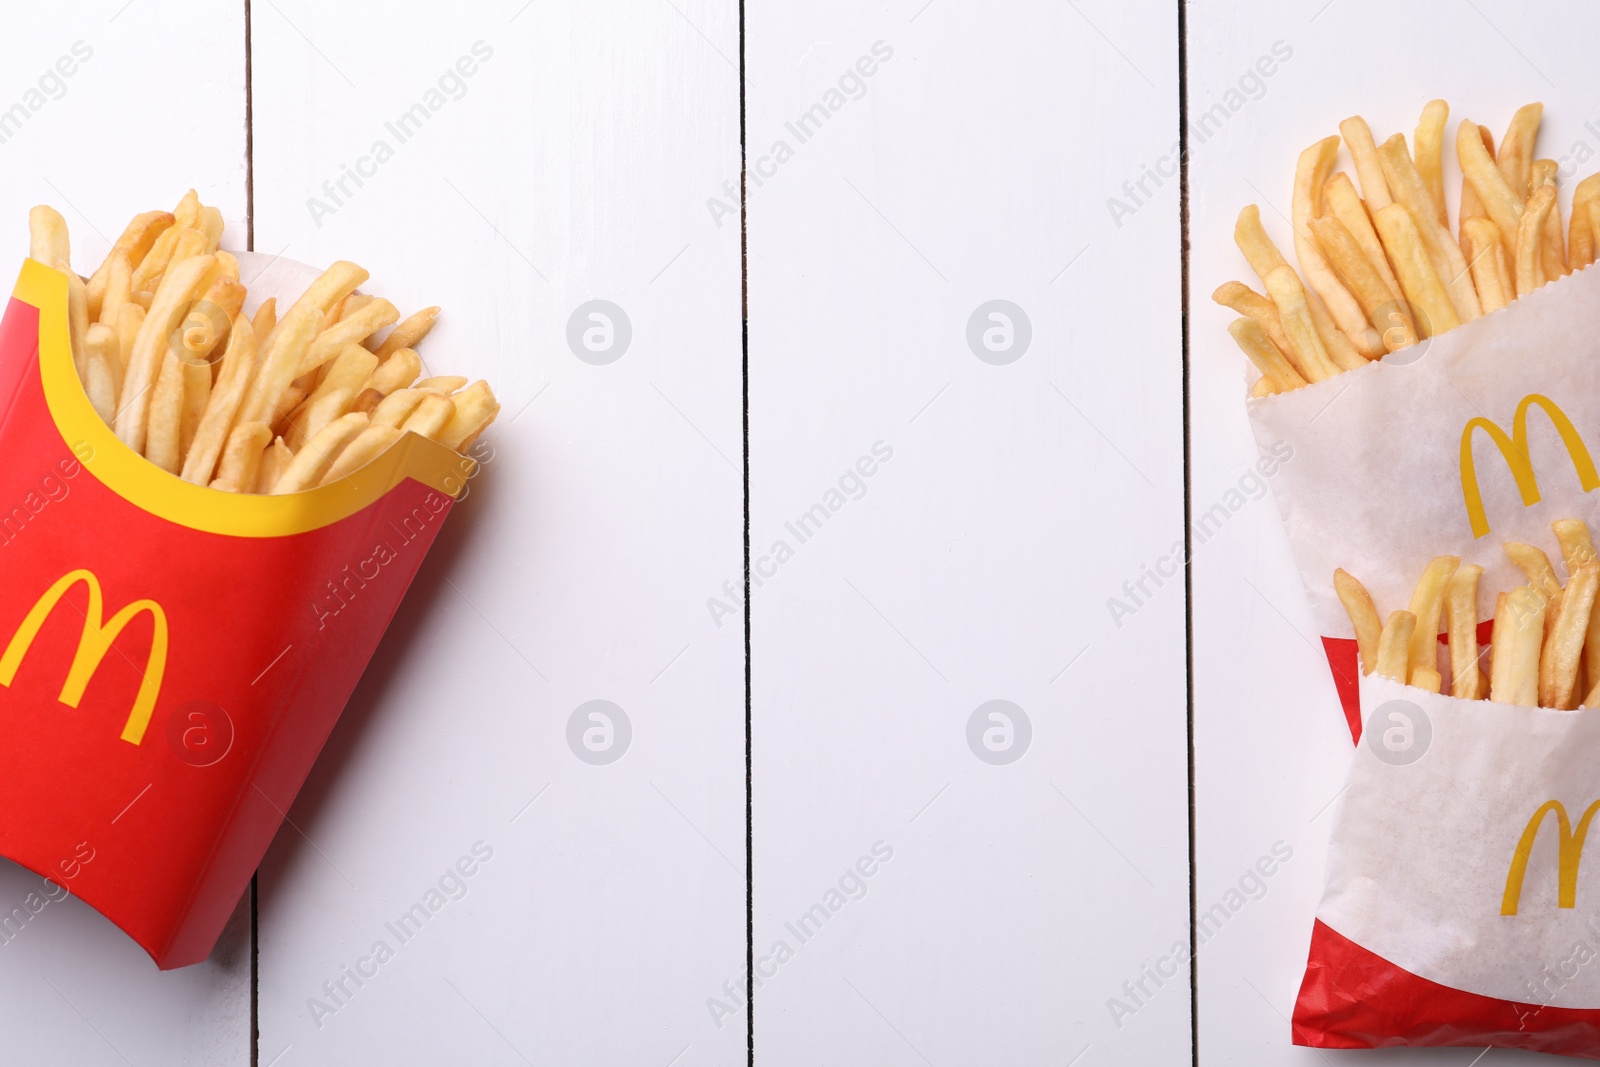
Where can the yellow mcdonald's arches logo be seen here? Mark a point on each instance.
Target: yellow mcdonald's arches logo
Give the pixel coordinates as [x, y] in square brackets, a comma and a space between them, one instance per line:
[95, 642]
[1569, 850]
[1514, 449]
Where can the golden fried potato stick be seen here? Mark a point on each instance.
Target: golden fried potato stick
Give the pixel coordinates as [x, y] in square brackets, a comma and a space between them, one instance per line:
[415, 327]
[431, 416]
[1394, 646]
[47, 238]
[166, 413]
[1306, 350]
[349, 330]
[1427, 603]
[156, 258]
[104, 377]
[1426, 678]
[1530, 240]
[1515, 159]
[397, 372]
[1471, 207]
[1491, 275]
[476, 408]
[1542, 578]
[333, 398]
[372, 442]
[1431, 307]
[1263, 387]
[1310, 175]
[1246, 301]
[115, 289]
[241, 458]
[190, 244]
[144, 362]
[278, 365]
[1408, 189]
[266, 317]
[77, 319]
[314, 460]
[1553, 248]
[1342, 202]
[187, 213]
[1514, 677]
[1580, 235]
[1427, 146]
[1338, 346]
[131, 248]
[330, 287]
[274, 462]
[183, 386]
[1563, 652]
[443, 384]
[352, 304]
[238, 364]
[211, 225]
[1363, 617]
[130, 318]
[1461, 624]
[1251, 237]
[1576, 550]
[1500, 202]
[1374, 186]
[1391, 317]
[1268, 357]
[291, 400]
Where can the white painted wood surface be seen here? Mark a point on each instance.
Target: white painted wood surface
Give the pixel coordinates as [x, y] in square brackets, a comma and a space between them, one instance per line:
[974, 564]
[593, 153]
[103, 132]
[1271, 743]
[570, 164]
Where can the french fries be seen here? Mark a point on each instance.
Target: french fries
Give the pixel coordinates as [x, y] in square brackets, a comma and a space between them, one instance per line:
[270, 403]
[1382, 269]
[1545, 646]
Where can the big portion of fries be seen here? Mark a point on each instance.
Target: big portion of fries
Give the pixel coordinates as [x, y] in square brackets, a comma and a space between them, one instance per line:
[1384, 269]
[264, 405]
[1545, 648]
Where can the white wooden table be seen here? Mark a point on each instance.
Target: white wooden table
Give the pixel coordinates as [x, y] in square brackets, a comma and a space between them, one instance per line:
[980, 805]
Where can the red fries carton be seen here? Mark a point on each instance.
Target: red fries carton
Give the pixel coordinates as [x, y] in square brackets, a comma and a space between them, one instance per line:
[172, 657]
[1457, 907]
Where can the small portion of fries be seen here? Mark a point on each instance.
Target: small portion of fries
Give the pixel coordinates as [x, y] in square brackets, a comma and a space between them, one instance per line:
[267, 404]
[1384, 269]
[1545, 649]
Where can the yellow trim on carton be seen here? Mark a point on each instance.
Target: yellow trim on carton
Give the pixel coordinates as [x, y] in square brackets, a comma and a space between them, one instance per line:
[198, 507]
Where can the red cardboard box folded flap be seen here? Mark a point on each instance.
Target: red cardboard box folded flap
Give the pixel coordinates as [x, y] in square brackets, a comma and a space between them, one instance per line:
[173, 656]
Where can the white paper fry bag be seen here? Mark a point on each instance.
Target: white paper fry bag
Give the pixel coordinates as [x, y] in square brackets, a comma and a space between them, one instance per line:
[1455, 912]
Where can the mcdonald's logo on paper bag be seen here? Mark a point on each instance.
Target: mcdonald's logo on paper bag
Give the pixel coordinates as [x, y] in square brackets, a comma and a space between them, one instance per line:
[1569, 850]
[1514, 450]
[93, 644]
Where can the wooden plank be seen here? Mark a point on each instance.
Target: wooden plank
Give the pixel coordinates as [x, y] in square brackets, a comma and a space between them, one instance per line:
[559, 156]
[954, 512]
[93, 124]
[1271, 744]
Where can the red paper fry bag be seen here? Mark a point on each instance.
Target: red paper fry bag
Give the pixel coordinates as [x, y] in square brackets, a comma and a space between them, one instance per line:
[172, 657]
[1457, 910]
